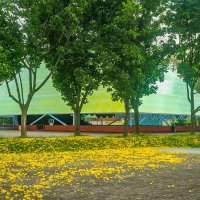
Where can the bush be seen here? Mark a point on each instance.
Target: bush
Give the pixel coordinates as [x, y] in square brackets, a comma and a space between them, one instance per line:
[183, 122]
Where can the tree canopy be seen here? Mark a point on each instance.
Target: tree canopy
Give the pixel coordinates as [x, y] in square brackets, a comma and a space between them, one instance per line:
[133, 55]
[79, 74]
[10, 38]
[85, 43]
[183, 27]
[27, 27]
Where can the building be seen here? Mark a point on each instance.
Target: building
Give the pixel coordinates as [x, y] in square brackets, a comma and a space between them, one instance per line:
[168, 104]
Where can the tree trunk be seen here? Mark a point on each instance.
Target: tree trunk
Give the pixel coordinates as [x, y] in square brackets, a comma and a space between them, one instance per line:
[126, 118]
[193, 123]
[193, 118]
[77, 122]
[24, 122]
[136, 117]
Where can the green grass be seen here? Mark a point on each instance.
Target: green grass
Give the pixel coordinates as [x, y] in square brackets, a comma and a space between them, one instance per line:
[61, 144]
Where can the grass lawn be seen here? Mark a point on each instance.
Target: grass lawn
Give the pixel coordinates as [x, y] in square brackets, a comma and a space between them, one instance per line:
[98, 168]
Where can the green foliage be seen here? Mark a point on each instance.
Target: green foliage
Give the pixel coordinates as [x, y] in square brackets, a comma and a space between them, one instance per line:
[183, 26]
[189, 73]
[31, 32]
[133, 58]
[182, 20]
[10, 40]
[77, 74]
[121, 51]
[31, 145]
[153, 66]
[197, 86]
[183, 122]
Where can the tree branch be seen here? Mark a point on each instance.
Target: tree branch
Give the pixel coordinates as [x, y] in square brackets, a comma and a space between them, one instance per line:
[188, 95]
[18, 91]
[197, 109]
[49, 50]
[10, 95]
[30, 81]
[22, 89]
[34, 79]
[73, 107]
[31, 74]
[60, 56]
[30, 77]
[43, 82]
[35, 89]
[83, 99]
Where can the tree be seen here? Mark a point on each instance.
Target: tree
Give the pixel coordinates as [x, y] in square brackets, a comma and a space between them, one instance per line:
[153, 67]
[135, 55]
[190, 75]
[78, 75]
[144, 84]
[183, 22]
[116, 22]
[35, 22]
[122, 54]
[121, 90]
[81, 66]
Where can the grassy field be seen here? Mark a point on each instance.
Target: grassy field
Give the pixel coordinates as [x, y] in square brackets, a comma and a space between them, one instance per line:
[98, 168]
[61, 144]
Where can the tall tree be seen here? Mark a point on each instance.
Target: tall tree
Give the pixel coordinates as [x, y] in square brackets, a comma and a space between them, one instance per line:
[81, 66]
[144, 84]
[135, 54]
[183, 22]
[121, 90]
[190, 75]
[153, 67]
[35, 21]
[78, 75]
[122, 54]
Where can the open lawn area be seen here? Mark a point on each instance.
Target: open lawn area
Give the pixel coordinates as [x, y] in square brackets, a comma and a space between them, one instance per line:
[137, 167]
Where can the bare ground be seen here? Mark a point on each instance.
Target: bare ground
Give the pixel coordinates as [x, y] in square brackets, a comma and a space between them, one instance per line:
[169, 183]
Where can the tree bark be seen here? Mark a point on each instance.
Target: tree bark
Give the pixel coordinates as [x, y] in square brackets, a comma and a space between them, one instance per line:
[77, 122]
[24, 122]
[126, 118]
[193, 117]
[136, 117]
